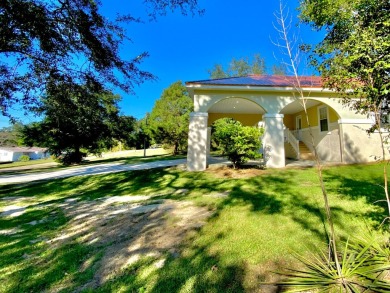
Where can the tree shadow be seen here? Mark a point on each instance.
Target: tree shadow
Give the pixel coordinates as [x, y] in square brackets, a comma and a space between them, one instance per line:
[193, 265]
[358, 185]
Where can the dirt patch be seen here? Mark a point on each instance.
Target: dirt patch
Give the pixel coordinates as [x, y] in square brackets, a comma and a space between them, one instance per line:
[127, 231]
[229, 172]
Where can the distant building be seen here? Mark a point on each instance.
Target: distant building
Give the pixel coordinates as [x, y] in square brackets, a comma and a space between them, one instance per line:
[12, 154]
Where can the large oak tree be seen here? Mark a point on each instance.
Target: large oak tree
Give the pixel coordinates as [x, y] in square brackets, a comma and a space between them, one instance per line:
[70, 40]
[82, 121]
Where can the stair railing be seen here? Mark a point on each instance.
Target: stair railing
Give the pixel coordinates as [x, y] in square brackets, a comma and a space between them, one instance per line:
[290, 138]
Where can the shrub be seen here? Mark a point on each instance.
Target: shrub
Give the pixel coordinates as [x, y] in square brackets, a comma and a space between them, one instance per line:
[237, 142]
[24, 158]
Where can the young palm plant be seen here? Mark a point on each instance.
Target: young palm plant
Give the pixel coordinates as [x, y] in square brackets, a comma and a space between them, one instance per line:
[362, 269]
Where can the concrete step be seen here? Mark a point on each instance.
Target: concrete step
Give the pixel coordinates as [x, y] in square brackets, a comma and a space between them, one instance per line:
[304, 152]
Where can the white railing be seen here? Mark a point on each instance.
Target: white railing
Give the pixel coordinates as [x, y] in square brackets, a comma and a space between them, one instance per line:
[297, 133]
[290, 138]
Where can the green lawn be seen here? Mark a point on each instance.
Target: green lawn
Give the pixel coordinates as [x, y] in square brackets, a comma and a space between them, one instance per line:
[26, 163]
[252, 230]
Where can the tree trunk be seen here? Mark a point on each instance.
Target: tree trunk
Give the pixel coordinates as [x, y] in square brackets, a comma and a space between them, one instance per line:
[175, 148]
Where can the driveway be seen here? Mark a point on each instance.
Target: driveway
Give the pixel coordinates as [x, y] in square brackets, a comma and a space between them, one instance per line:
[88, 170]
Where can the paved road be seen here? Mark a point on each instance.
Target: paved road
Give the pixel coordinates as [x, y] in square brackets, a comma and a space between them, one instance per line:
[88, 170]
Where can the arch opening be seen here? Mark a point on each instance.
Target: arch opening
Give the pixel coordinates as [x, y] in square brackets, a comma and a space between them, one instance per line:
[322, 121]
[243, 110]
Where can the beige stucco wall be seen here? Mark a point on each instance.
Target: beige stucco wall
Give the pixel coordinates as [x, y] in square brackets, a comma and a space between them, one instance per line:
[358, 145]
[271, 100]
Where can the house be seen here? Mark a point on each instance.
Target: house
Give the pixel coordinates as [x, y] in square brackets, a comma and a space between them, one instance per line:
[338, 133]
[12, 154]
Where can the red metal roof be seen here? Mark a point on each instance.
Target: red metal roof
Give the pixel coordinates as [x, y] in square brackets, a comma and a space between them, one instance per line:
[262, 80]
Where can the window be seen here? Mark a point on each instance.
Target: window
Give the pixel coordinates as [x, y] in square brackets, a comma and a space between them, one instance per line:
[323, 116]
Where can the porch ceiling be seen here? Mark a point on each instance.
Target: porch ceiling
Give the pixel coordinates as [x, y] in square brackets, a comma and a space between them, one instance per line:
[236, 105]
[296, 106]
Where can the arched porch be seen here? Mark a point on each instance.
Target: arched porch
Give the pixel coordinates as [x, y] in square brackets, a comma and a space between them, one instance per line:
[339, 134]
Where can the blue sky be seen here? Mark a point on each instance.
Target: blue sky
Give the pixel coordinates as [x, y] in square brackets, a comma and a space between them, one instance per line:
[185, 47]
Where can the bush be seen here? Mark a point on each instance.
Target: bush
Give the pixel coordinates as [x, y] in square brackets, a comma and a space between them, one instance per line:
[24, 158]
[237, 142]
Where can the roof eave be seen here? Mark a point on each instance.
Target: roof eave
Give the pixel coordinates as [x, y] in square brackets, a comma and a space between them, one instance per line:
[197, 86]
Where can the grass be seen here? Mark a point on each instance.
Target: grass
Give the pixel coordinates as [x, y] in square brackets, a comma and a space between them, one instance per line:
[26, 163]
[252, 231]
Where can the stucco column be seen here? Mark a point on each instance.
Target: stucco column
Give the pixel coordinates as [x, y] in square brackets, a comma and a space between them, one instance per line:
[197, 142]
[208, 142]
[273, 141]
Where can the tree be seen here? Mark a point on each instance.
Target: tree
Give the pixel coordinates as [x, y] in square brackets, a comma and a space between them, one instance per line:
[10, 136]
[77, 119]
[217, 72]
[279, 70]
[258, 65]
[239, 67]
[66, 40]
[169, 119]
[354, 58]
[237, 142]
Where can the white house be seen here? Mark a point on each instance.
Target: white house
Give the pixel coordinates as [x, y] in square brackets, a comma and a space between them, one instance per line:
[339, 134]
[12, 154]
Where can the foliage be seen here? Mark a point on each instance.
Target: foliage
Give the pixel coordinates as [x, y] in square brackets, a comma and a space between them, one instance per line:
[237, 142]
[143, 136]
[239, 67]
[361, 270]
[279, 69]
[169, 120]
[76, 118]
[24, 158]
[354, 57]
[242, 67]
[67, 40]
[10, 136]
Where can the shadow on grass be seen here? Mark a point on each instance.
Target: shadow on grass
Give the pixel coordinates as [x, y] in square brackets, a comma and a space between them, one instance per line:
[39, 266]
[357, 184]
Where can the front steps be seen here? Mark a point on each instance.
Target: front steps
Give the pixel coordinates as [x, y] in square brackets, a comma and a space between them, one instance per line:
[305, 153]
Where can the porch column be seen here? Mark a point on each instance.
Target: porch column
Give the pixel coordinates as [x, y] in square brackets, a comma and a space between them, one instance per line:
[197, 142]
[208, 142]
[273, 141]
